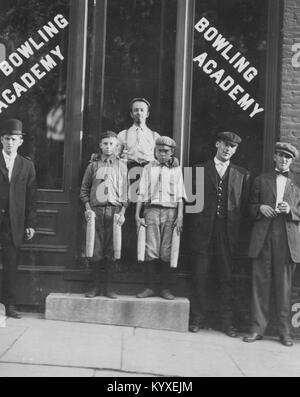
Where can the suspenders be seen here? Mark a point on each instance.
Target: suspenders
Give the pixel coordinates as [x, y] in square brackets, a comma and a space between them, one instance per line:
[125, 150]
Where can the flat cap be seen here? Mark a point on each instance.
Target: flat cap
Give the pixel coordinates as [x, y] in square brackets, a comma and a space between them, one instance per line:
[287, 148]
[165, 141]
[11, 127]
[108, 134]
[230, 137]
[140, 100]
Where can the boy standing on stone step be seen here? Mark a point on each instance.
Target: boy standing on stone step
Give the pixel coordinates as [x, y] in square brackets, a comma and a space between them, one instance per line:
[161, 190]
[104, 192]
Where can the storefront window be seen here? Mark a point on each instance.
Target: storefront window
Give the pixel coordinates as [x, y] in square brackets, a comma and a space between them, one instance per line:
[243, 25]
[42, 107]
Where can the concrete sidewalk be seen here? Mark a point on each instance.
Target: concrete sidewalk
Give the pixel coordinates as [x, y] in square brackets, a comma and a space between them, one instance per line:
[37, 347]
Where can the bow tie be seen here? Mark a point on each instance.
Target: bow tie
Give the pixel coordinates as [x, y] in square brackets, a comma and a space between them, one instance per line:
[284, 173]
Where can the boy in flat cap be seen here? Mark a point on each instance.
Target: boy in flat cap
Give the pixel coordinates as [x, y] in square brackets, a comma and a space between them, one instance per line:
[275, 243]
[214, 232]
[104, 192]
[17, 207]
[162, 192]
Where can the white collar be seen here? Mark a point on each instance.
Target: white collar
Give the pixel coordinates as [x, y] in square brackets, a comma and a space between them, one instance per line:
[9, 157]
[138, 127]
[224, 164]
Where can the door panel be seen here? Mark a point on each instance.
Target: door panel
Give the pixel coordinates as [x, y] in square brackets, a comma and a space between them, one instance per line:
[52, 113]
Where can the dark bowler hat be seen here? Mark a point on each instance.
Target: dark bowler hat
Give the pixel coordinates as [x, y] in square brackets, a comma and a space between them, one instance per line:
[165, 141]
[229, 137]
[286, 148]
[108, 134]
[140, 100]
[11, 127]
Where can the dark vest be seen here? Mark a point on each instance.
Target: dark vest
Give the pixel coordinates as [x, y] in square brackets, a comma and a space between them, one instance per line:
[222, 194]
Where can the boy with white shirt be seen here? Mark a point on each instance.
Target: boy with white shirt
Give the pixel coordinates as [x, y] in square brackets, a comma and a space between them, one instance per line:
[275, 243]
[162, 192]
[138, 141]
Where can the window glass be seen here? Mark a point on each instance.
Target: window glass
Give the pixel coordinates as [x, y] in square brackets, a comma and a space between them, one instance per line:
[243, 23]
[140, 55]
[42, 107]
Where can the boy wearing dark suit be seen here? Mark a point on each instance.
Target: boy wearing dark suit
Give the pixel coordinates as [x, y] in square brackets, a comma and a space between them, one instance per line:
[275, 243]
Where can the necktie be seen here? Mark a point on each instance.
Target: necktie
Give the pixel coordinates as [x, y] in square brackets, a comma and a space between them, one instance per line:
[284, 173]
[9, 168]
[221, 169]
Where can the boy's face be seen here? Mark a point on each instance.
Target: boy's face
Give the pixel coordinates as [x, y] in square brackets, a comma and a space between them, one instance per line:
[225, 150]
[11, 143]
[139, 112]
[164, 153]
[108, 146]
[283, 161]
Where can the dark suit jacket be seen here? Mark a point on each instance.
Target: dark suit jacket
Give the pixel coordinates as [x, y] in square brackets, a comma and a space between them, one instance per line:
[264, 192]
[201, 225]
[21, 195]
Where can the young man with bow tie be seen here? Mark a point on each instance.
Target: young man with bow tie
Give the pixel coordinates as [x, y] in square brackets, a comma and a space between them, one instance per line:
[17, 211]
[275, 243]
[214, 232]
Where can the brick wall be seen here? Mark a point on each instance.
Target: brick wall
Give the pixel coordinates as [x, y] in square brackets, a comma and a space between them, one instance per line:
[290, 82]
[290, 99]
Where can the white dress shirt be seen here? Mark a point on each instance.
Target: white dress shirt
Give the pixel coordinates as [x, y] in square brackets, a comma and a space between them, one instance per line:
[280, 188]
[221, 166]
[139, 143]
[161, 185]
[9, 162]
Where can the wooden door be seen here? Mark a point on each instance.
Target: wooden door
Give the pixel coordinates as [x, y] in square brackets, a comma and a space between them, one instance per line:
[52, 115]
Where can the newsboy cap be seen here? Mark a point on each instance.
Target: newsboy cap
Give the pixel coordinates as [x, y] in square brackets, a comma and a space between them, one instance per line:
[229, 137]
[11, 127]
[139, 100]
[108, 134]
[165, 141]
[287, 148]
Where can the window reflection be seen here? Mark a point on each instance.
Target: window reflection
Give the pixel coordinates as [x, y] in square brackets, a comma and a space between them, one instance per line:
[42, 108]
[243, 23]
[2, 52]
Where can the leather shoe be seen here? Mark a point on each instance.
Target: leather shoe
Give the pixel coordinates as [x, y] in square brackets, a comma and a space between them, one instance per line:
[92, 293]
[12, 312]
[146, 293]
[252, 337]
[286, 340]
[195, 326]
[166, 294]
[111, 294]
[230, 331]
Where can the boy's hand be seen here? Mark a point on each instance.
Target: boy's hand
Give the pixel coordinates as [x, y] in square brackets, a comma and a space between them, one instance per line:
[284, 208]
[178, 224]
[140, 222]
[29, 233]
[267, 211]
[88, 215]
[120, 219]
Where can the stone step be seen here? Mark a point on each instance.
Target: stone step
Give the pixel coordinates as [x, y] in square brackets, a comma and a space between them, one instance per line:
[154, 312]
